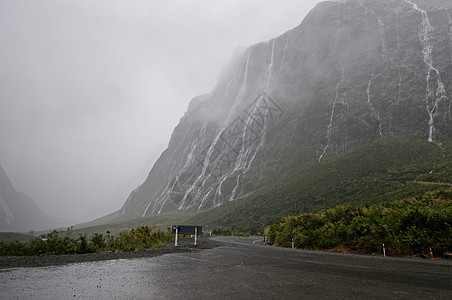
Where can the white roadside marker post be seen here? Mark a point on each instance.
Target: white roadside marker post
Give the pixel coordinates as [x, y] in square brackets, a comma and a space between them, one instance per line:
[175, 240]
[384, 251]
[196, 234]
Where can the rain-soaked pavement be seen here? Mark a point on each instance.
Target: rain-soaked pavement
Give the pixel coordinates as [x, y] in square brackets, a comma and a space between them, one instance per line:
[238, 269]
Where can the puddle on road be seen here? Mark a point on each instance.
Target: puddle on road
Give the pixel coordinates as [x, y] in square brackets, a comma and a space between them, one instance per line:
[118, 279]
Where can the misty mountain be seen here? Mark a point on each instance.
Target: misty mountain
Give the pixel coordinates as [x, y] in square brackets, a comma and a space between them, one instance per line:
[18, 211]
[352, 72]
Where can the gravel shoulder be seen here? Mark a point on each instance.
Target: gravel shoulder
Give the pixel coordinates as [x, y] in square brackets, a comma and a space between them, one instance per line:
[184, 245]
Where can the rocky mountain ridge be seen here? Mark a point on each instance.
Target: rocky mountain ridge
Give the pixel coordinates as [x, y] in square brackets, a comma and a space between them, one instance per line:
[351, 72]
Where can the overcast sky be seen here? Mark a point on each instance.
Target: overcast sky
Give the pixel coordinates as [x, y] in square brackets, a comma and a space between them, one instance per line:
[89, 88]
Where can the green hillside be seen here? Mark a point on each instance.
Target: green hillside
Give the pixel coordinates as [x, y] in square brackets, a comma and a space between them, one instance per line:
[381, 171]
[14, 236]
[384, 170]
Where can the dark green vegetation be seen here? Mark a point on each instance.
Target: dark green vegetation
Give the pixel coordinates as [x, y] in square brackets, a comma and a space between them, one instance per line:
[56, 243]
[406, 227]
[384, 170]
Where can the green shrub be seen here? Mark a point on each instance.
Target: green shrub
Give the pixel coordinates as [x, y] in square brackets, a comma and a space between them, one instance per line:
[406, 227]
[54, 244]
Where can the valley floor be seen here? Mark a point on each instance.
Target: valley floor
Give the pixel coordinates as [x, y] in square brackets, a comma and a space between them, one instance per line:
[184, 245]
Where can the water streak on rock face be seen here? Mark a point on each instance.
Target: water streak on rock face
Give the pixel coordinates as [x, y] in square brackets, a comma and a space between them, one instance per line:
[435, 92]
[351, 72]
[5, 212]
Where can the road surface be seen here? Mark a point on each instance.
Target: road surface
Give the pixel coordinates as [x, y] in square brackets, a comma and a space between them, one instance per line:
[237, 269]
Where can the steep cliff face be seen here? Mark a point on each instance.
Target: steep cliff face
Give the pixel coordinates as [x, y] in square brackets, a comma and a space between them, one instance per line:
[351, 72]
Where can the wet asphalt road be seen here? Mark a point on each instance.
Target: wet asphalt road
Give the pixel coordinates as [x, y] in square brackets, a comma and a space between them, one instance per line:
[238, 269]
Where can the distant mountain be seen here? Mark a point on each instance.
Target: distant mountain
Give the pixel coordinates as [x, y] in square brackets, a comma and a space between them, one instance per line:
[18, 211]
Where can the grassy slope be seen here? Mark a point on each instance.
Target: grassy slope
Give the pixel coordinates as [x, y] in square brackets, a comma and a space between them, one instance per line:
[385, 170]
[115, 228]
[14, 236]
